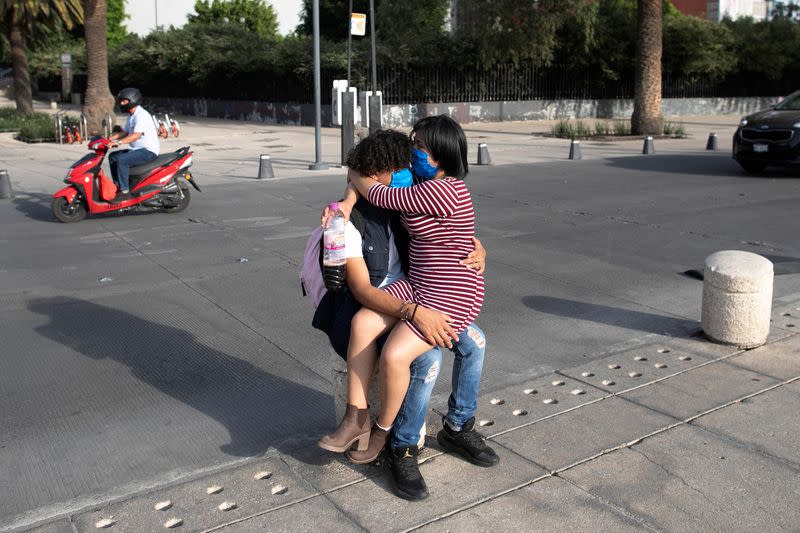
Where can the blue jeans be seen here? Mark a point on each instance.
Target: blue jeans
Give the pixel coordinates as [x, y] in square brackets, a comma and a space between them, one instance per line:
[463, 402]
[121, 162]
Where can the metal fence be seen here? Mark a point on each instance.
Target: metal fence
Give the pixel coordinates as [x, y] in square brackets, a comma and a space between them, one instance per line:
[432, 84]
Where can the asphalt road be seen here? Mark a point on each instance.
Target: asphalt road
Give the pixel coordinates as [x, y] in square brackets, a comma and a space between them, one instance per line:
[139, 349]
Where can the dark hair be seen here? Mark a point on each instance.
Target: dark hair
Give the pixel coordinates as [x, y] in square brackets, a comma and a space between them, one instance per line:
[381, 151]
[447, 143]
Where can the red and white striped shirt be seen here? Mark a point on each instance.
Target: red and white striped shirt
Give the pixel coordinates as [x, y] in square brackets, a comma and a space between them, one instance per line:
[440, 220]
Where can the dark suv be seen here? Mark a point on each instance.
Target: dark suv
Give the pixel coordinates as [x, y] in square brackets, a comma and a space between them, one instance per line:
[769, 138]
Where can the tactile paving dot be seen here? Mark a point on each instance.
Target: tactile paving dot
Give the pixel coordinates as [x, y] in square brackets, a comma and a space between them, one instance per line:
[530, 391]
[214, 489]
[608, 382]
[550, 401]
[577, 392]
[226, 506]
[614, 366]
[558, 383]
[497, 401]
[485, 423]
[262, 475]
[685, 358]
[635, 374]
[587, 374]
[279, 489]
[105, 523]
[663, 350]
[519, 412]
[173, 523]
[660, 365]
[640, 358]
[163, 506]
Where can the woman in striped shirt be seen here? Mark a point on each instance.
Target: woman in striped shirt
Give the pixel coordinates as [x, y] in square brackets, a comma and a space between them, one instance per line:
[439, 216]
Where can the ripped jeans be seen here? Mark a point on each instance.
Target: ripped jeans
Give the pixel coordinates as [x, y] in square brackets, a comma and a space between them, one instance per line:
[463, 401]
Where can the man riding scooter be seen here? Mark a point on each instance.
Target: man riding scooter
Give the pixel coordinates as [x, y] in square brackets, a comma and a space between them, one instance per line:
[140, 132]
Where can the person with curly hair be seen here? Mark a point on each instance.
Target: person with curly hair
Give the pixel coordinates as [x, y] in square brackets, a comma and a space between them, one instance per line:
[439, 216]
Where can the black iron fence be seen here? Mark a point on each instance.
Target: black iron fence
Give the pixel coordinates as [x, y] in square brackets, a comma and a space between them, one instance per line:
[432, 84]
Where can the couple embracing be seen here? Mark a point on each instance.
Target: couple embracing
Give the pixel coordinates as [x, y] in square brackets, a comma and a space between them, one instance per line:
[414, 283]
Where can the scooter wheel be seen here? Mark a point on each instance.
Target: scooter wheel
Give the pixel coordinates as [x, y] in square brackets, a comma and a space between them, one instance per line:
[66, 212]
[184, 203]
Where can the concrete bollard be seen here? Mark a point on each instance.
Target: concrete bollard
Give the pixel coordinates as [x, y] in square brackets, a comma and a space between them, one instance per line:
[648, 147]
[483, 154]
[5, 185]
[339, 383]
[265, 168]
[712, 142]
[575, 150]
[737, 298]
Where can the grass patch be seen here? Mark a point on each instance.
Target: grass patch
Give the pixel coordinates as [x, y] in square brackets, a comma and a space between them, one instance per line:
[602, 129]
[674, 130]
[35, 125]
[622, 127]
[563, 130]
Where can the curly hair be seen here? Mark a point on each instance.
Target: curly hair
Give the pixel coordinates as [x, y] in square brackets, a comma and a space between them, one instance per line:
[381, 151]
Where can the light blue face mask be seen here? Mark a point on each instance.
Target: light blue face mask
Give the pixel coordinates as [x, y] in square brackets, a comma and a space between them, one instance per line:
[402, 178]
[419, 162]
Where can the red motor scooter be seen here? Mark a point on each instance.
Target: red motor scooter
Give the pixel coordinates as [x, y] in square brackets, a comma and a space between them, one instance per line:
[155, 186]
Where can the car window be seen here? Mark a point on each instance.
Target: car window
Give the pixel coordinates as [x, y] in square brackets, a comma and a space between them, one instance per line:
[792, 103]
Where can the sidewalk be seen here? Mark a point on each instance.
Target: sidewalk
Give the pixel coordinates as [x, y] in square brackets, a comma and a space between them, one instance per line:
[230, 150]
[675, 434]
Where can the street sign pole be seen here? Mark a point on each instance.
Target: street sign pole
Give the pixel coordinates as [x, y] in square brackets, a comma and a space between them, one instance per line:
[349, 41]
[372, 34]
[318, 164]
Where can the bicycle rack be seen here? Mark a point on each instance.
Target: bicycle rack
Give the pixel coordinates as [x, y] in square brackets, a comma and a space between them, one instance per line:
[108, 125]
[59, 124]
[84, 127]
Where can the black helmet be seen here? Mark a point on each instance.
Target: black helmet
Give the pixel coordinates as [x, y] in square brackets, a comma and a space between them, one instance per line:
[134, 97]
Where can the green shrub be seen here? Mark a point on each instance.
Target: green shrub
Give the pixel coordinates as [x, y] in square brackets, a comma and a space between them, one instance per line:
[582, 131]
[622, 127]
[602, 128]
[563, 130]
[37, 126]
[669, 130]
[679, 131]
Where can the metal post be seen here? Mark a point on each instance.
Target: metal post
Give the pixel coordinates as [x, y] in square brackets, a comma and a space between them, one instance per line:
[155, 2]
[349, 42]
[318, 164]
[348, 123]
[372, 38]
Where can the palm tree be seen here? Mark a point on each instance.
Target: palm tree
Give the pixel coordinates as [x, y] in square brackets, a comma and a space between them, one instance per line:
[18, 20]
[647, 118]
[99, 101]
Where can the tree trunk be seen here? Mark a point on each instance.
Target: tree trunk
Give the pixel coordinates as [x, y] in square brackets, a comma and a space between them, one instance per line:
[19, 64]
[647, 118]
[99, 102]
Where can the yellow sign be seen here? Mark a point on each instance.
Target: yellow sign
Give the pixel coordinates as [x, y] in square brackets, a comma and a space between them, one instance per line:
[358, 24]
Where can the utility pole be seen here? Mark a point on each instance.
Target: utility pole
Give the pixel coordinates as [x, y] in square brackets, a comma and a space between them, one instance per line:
[372, 35]
[156, 11]
[349, 42]
[318, 164]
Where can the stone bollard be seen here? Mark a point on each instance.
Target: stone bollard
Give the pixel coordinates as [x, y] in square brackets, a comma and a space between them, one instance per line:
[6, 191]
[575, 150]
[265, 168]
[737, 298]
[339, 383]
[712, 142]
[647, 147]
[483, 154]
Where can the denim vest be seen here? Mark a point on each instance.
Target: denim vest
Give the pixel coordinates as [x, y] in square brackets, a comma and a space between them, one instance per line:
[336, 310]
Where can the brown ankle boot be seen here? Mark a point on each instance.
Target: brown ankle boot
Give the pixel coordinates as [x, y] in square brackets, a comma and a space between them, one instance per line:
[354, 427]
[377, 440]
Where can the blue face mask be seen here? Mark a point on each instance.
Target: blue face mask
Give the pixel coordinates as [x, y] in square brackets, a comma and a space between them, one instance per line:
[402, 178]
[419, 162]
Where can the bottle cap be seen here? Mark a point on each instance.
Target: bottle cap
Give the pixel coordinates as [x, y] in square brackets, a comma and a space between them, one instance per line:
[333, 206]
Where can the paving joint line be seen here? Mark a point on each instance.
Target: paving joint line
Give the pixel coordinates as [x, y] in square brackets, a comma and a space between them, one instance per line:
[218, 306]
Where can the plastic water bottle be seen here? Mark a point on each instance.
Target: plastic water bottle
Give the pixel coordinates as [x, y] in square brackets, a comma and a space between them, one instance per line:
[333, 254]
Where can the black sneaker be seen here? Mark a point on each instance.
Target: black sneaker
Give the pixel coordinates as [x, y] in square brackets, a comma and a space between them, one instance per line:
[121, 197]
[408, 481]
[468, 444]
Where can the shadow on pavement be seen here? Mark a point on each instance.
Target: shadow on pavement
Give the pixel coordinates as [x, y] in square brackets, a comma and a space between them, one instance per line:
[36, 206]
[708, 165]
[612, 316]
[259, 410]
